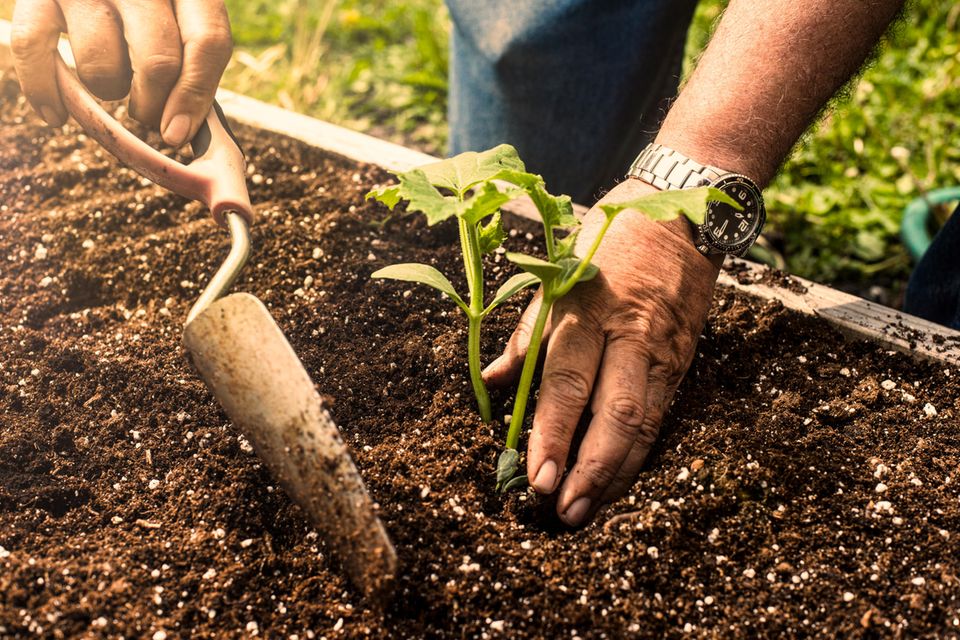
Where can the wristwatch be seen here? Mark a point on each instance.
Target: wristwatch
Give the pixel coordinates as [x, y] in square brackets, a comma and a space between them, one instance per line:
[724, 230]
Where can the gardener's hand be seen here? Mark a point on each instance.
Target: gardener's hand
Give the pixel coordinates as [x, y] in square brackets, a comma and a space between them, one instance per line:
[618, 345]
[167, 54]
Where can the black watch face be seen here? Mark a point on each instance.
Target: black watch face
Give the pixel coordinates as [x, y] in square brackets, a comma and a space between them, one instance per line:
[729, 230]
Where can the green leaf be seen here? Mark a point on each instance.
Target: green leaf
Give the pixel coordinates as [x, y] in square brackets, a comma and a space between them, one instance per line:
[507, 465]
[389, 195]
[464, 171]
[569, 265]
[516, 482]
[668, 205]
[556, 211]
[492, 235]
[510, 287]
[423, 274]
[424, 198]
[485, 202]
[545, 271]
[566, 245]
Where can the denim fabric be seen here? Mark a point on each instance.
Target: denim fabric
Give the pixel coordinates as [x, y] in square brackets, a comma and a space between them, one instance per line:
[934, 288]
[578, 86]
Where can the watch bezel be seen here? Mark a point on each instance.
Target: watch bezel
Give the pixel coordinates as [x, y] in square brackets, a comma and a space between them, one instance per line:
[706, 243]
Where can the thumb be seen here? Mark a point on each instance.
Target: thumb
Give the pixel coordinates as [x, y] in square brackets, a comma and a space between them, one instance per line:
[506, 368]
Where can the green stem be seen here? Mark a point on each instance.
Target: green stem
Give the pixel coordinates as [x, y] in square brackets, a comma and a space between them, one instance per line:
[565, 286]
[470, 246]
[476, 377]
[529, 367]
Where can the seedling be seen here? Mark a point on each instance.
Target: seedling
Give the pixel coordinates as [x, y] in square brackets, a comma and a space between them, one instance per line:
[465, 186]
[562, 270]
[461, 187]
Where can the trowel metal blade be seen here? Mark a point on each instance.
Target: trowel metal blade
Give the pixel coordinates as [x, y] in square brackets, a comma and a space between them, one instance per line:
[258, 379]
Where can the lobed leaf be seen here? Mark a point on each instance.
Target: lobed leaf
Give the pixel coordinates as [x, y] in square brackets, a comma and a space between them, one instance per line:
[516, 482]
[492, 235]
[485, 202]
[423, 274]
[668, 205]
[566, 245]
[464, 171]
[389, 195]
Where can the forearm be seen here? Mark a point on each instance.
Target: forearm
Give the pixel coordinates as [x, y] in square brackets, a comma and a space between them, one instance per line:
[768, 71]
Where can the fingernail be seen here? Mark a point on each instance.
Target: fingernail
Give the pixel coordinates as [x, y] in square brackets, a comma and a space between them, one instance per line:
[177, 130]
[490, 368]
[49, 114]
[576, 512]
[546, 477]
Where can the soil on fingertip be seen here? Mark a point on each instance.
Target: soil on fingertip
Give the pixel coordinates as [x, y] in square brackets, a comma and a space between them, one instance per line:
[803, 486]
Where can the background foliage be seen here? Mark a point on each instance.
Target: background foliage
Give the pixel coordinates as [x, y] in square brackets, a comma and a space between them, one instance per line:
[380, 66]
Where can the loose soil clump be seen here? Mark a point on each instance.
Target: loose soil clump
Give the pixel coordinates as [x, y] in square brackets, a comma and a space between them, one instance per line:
[803, 486]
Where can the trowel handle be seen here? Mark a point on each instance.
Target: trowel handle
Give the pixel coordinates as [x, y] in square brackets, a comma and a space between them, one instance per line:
[215, 177]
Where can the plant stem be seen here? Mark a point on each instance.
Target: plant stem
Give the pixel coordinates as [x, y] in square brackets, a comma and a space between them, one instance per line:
[476, 378]
[529, 366]
[470, 246]
[565, 286]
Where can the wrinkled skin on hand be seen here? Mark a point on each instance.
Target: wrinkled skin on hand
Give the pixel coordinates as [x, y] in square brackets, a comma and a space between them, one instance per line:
[168, 55]
[619, 346]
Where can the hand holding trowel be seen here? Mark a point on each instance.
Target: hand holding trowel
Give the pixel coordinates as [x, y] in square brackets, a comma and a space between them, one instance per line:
[243, 356]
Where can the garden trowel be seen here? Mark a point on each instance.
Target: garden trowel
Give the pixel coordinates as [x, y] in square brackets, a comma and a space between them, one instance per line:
[243, 356]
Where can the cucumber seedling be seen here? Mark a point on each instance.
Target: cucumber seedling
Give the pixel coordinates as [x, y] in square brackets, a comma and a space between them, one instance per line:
[465, 186]
[461, 187]
[563, 269]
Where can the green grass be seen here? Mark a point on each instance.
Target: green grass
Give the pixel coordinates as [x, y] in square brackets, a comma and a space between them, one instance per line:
[380, 66]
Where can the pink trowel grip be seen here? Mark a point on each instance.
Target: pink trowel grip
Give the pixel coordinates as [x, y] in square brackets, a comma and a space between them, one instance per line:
[216, 176]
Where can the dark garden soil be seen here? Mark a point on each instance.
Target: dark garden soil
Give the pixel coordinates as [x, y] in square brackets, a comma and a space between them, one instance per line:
[804, 485]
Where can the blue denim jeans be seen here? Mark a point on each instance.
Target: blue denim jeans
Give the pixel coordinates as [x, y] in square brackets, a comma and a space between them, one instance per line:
[934, 289]
[577, 86]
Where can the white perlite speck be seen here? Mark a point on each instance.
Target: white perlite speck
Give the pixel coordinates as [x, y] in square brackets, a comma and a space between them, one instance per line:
[153, 484]
[883, 506]
[209, 574]
[653, 552]
[929, 410]
[497, 625]
[881, 487]
[888, 385]
[919, 581]
[749, 573]
[4, 553]
[847, 596]
[160, 635]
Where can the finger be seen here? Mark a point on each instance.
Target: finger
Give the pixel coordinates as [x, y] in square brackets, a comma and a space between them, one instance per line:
[36, 28]
[99, 49]
[207, 45]
[619, 417]
[659, 396]
[153, 38]
[569, 371]
[506, 369]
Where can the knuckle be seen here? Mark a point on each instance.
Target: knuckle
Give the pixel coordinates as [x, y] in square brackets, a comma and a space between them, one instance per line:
[624, 413]
[596, 473]
[26, 41]
[648, 432]
[569, 383]
[161, 67]
[214, 43]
